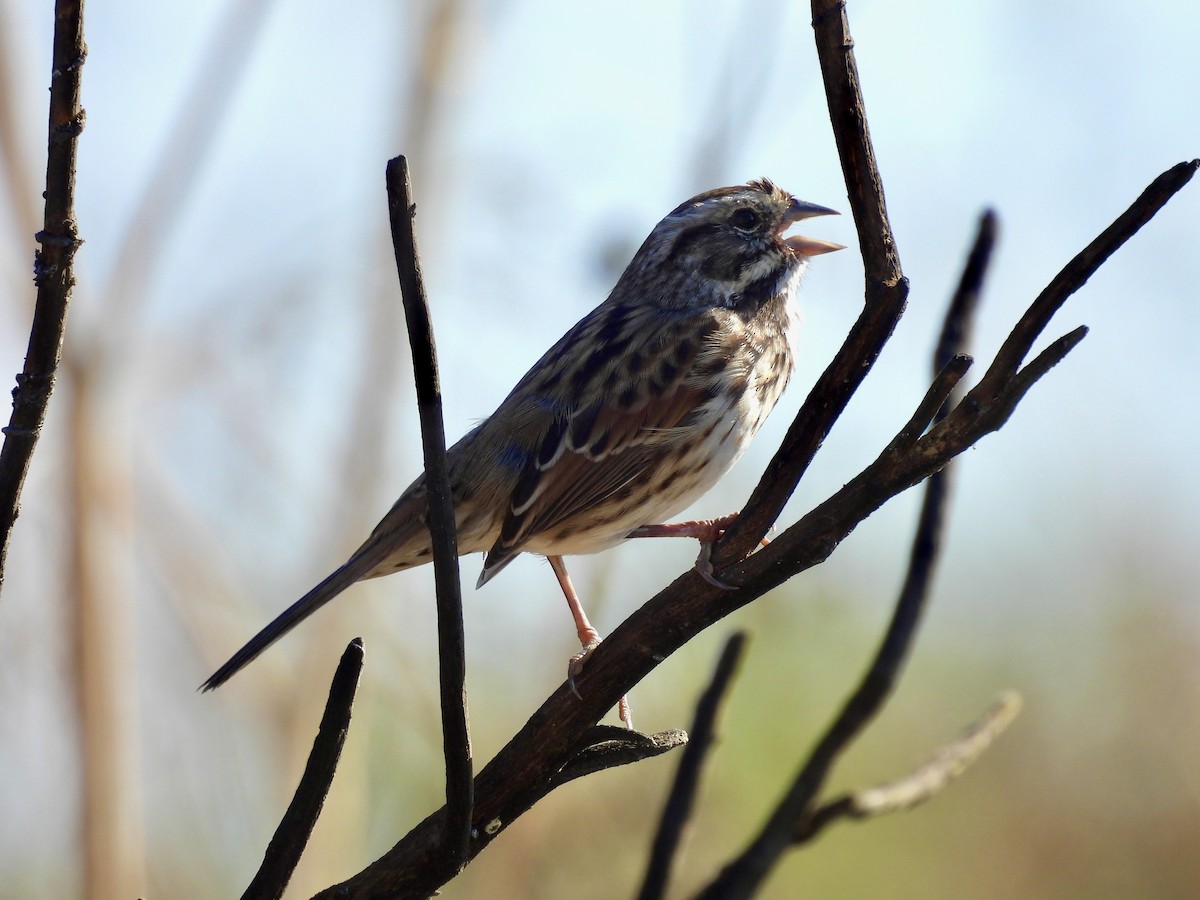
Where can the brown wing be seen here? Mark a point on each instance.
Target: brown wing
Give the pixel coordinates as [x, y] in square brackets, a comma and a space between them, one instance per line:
[607, 418]
[584, 459]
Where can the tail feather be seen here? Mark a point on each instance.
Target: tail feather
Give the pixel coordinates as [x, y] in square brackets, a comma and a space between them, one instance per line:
[355, 569]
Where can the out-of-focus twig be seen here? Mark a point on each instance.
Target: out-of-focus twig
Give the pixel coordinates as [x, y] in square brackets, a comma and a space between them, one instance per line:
[18, 174]
[177, 172]
[54, 271]
[678, 809]
[924, 783]
[283, 853]
[452, 667]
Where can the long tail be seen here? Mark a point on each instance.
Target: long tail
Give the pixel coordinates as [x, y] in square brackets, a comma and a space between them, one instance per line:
[355, 569]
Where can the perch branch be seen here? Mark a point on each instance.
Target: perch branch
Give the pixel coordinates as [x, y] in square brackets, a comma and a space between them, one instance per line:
[294, 830]
[743, 876]
[886, 291]
[456, 738]
[53, 267]
[678, 809]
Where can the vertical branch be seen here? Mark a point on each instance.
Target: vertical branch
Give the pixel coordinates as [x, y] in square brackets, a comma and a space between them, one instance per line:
[53, 267]
[456, 739]
[886, 290]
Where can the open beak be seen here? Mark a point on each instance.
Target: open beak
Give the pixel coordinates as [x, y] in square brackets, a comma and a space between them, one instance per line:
[807, 246]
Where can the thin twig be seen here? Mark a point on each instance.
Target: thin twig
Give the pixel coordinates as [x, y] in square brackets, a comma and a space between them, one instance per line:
[283, 853]
[53, 268]
[609, 746]
[456, 738]
[886, 291]
[924, 783]
[743, 876]
[678, 809]
[1076, 273]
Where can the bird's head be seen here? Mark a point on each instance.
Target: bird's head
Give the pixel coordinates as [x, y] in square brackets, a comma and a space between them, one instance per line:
[728, 244]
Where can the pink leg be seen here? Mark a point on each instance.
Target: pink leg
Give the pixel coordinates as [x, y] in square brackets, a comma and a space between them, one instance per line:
[589, 637]
[706, 531]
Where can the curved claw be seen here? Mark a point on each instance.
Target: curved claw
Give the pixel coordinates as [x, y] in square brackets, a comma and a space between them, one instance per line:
[704, 568]
[576, 662]
[575, 666]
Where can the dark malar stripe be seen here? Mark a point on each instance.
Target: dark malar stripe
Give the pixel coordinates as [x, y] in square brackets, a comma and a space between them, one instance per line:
[758, 292]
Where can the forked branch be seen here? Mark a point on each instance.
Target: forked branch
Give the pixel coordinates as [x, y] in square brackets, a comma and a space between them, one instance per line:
[560, 739]
[532, 761]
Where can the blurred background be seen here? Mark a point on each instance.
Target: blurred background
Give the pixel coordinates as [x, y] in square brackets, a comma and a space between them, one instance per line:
[236, 413]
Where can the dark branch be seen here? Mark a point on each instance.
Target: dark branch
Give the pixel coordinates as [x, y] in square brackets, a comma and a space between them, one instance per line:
[682, 610]
[456, 739]
[609, 746]
[886, 291]
[53, 268]
[933, 404]
[956, 327]
[744, 875]
[294, 830]
[678, 809]
[1076, 273]
[926, 782]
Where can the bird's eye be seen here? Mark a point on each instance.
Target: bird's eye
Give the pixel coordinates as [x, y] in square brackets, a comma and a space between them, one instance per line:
[744, 219]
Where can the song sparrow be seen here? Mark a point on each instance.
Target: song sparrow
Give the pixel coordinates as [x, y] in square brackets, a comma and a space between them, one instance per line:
[635, 412]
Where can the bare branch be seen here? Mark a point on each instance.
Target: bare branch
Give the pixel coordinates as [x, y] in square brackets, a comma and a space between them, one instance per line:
[926, 782]
[662, 625]
[1076, 273]
[294, 830]
[54, 271]
[886, 291]
[533, 759]
[744, 875]
[456, 738]
[609, 746]
[678, 809]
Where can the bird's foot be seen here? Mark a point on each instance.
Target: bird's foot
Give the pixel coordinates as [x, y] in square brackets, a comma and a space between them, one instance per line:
[590, 642]
[575, 663]
[706, 531]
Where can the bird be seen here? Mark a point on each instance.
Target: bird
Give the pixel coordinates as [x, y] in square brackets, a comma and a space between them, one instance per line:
[637, 411]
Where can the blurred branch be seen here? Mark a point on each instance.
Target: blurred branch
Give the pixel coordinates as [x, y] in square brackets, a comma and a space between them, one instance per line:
[744, 875]
[53, 267]
[419, 89]
[678, 809]
[452, 666]
[179, 167]
[923, 784]
[293, 832]
[17, 168]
